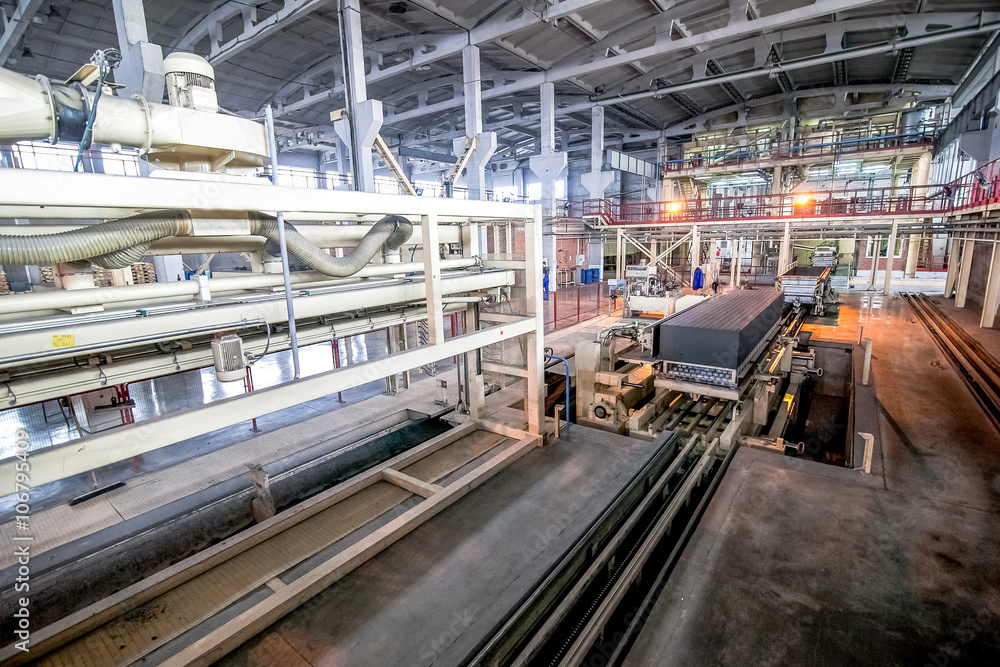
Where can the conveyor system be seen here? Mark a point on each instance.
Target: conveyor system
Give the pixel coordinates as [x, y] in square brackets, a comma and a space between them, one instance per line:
[826, 256]
[716, 369]
[715, 342]
[808, 286]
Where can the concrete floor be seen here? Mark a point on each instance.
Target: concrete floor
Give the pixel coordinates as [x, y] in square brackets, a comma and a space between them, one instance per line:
[799, 563]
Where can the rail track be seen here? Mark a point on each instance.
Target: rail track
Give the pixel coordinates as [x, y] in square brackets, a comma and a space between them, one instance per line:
[593, 606]
[979, 370]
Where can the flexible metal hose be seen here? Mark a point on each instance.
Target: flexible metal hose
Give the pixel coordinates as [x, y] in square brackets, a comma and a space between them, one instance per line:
[119, 259]
[392, 231]
[93, 241]
[118, 243]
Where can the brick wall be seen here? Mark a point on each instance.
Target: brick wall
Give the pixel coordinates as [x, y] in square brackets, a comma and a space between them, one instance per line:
[865, 262]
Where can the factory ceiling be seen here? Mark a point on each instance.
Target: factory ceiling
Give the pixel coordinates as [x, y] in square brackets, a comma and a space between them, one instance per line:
[672, 66]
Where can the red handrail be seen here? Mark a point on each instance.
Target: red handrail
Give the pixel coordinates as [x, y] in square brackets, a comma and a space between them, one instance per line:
[976, 189]
[796, 149]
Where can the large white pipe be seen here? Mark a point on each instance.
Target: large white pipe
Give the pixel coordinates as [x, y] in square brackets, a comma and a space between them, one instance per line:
[65, 299]
[325, 236]
[36, 109]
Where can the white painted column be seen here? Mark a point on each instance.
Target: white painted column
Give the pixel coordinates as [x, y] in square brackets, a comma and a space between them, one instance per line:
[992, 298]
[890, 255]
[141, 68]
[785, 251]
[549, 164]
[432, 277]
[734, 269]
[964, 271]
[619, 269]
[486, 142]
[921, 174]
[954, 261]
[876, 244]
[535, 399]
[597, 181]
[364, 115]
[472, 247]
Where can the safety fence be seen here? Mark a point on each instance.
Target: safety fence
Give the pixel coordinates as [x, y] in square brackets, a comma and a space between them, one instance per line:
[571, 305]
[977, 189]
[844, 145]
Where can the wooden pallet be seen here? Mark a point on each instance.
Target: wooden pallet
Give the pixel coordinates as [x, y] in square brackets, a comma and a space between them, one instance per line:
[143, 273]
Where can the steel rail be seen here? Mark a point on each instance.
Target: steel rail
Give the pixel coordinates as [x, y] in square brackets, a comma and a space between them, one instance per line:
[981, 380]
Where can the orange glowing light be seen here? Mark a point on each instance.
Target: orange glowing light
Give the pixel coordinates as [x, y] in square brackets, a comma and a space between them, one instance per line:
[802, 200]
[675, 206]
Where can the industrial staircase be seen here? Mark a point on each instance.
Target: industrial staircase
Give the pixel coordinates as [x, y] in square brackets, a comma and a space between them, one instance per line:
[689, 189]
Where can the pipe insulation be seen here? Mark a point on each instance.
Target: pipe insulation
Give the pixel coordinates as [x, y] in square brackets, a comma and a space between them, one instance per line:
[153, 292]
[118, 243]
[41, 110]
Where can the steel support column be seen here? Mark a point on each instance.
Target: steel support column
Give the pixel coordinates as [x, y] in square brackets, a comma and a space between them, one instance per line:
[785, 251]
[432, 276]
[549, 164]
[364, 115]
[954, 262]
[597, 181]
[141, 69]
[890, 254]
[992, 298]
[921, 174]
[964, 271]
[535, 382]
[695, 250]
[486, 142]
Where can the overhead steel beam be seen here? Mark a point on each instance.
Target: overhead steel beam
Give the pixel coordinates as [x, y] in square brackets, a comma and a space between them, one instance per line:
[427, 49]
[662, 46]
[811, 61]
[839, 94]
[767, 49]
[15, 25]
[408, 151]
[253, 31]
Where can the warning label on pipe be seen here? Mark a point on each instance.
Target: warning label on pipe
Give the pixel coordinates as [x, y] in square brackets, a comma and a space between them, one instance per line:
[63, 340]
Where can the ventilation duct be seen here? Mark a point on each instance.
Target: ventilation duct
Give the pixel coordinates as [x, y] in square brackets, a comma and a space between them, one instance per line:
[118, 243]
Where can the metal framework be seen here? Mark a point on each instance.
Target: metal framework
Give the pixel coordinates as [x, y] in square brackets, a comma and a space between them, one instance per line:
[32, 192]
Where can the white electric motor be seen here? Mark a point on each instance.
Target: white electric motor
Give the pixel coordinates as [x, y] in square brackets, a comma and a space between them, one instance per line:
[230, 362]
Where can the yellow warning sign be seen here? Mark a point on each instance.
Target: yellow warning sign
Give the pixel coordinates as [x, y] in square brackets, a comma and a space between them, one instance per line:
[63, 340]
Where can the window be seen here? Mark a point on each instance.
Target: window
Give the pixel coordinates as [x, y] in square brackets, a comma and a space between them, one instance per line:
[505, 192]
[883, 245]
